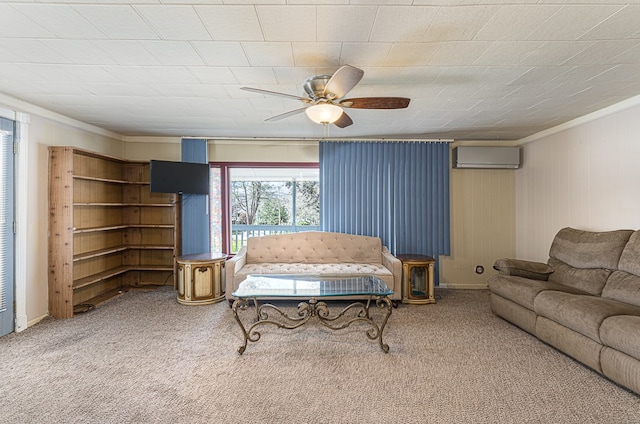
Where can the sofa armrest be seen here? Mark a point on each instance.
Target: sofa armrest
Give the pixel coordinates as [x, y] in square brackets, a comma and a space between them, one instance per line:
[522, 268]
[232, 266]
[394, 265]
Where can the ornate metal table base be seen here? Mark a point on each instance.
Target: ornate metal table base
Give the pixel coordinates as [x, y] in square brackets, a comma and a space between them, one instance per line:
[309, 309]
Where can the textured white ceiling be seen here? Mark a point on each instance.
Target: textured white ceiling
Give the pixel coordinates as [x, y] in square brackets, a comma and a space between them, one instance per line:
[474, 69]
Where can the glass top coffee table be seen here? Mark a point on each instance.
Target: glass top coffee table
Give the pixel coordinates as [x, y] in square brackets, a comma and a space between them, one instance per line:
[261, 287]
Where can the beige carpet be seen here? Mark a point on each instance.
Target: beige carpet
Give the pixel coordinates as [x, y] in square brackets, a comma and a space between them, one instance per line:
[143, 358]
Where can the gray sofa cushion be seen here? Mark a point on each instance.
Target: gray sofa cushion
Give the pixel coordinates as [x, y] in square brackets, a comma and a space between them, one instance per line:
[623, 287]
[629, 259]
[582, 314]
[622, 332]
[587, 249]
[522, 290]
[588, 280]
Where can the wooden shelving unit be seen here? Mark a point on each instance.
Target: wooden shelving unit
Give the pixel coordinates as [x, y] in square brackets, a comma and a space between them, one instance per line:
[107, 231]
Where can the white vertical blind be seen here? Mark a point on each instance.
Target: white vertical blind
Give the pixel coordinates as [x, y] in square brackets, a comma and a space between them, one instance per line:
[398, 191]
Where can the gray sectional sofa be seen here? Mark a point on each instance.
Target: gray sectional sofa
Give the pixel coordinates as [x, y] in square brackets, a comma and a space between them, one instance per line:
[585, 301]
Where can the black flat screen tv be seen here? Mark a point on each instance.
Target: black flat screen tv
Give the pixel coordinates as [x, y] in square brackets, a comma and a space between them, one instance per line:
[179, 177]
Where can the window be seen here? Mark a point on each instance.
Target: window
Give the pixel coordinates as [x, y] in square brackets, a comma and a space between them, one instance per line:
[261, 199]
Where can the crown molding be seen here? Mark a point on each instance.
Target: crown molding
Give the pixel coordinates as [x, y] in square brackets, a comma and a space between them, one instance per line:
[151, 139]
[20, 106]
[609, 110]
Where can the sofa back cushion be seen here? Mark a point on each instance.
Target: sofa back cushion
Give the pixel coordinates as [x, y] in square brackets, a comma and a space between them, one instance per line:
[314, 247]
[630, 257]
[585, 259]
[623, 287]
[588, 249]
[590, 280]
[624, 284]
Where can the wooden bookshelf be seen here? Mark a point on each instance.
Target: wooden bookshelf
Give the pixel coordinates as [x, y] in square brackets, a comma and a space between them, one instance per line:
[107, 231]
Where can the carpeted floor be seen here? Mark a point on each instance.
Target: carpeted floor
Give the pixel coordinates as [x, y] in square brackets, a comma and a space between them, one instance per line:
[144, 358]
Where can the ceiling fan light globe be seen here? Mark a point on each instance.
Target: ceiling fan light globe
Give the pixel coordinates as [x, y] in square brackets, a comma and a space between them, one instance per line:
[324, 113]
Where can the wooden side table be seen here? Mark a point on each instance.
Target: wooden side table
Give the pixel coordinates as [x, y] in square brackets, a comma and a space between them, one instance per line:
[417, 279]
[200, 279]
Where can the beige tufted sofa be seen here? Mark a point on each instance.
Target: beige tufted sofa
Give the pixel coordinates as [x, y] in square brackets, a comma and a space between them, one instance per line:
[316, 253]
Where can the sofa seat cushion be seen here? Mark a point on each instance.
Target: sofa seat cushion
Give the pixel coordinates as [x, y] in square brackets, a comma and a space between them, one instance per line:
[523, 291]
[315, 269]
[622, 332]
[580, 313]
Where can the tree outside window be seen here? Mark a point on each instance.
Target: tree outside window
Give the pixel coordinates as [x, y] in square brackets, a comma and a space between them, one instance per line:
[271, 200]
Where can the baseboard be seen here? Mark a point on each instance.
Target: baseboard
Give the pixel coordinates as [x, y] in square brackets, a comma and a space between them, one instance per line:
[21, 323]
[36, 320]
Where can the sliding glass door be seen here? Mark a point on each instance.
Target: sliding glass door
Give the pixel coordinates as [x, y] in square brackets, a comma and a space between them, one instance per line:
[7, 236]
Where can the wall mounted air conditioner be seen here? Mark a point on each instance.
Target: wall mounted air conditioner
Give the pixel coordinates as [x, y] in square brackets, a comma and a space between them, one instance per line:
[486, 157]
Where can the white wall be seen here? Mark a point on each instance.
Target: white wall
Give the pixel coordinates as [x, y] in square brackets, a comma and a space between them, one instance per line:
[586, 176]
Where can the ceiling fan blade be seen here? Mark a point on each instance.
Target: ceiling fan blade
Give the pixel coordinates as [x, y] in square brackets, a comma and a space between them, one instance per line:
[376, 103]
[275, 93]
[342, 81]
[343, 121]
[286, 114]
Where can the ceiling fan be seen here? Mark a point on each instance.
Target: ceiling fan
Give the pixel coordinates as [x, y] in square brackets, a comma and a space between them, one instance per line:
[325, 104]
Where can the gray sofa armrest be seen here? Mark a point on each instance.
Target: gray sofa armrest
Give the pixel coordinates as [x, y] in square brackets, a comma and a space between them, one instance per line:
[232, 266]
[394, 265]
[522, 268]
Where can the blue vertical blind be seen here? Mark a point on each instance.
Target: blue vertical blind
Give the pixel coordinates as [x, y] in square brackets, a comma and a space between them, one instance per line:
[7, 314]
[398, 191]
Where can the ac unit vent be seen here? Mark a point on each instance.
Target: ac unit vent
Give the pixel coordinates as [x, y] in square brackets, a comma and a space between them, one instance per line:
[486, 157]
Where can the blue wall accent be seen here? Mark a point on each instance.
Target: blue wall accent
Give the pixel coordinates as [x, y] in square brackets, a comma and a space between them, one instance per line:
[398, 191]
[195, 207]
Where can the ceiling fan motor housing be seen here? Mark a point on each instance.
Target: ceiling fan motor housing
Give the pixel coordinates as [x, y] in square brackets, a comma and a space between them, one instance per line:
[314, 86]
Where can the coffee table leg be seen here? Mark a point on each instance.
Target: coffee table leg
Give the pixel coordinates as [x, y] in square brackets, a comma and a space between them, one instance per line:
[382, 302]
[241, 304]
